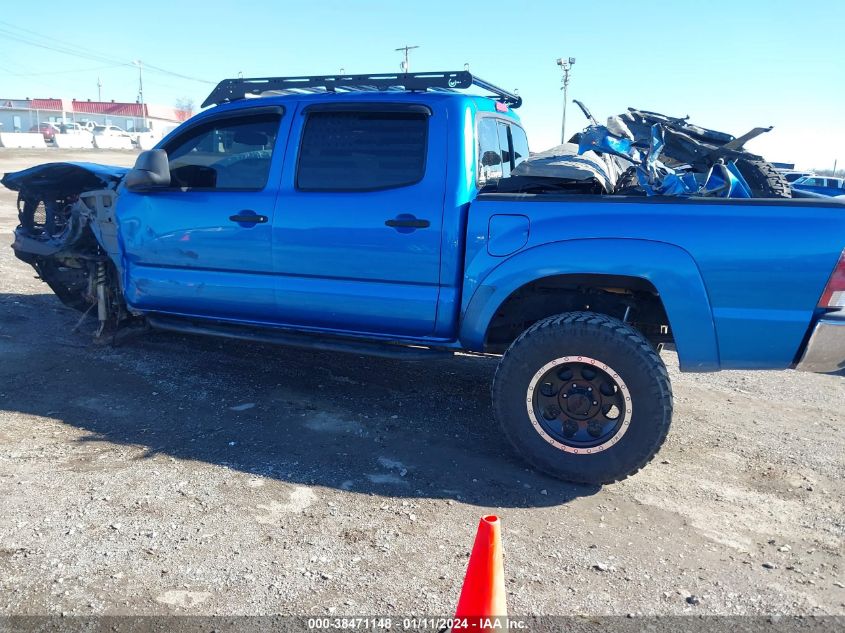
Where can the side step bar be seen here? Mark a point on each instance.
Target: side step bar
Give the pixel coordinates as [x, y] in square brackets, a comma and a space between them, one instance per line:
[294, 339]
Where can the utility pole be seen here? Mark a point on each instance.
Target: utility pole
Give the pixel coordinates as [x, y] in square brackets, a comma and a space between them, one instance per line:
[140, 66]
[406, 65]
[565, 67]
[99, 89]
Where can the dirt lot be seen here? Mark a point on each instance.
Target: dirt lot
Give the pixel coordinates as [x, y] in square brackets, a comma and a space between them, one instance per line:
[196, 476]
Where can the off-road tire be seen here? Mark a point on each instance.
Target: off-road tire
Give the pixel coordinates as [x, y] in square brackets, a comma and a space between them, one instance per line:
[765, 181]
[613, 344]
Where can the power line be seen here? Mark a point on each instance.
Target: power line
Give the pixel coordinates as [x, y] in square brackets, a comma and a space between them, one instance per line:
[178, 75]
[75, 50]
[51, 39]
[70, 72]
[58, 49]
[9, 71]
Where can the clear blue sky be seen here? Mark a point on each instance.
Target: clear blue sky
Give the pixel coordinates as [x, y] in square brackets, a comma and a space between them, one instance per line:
[730, 65]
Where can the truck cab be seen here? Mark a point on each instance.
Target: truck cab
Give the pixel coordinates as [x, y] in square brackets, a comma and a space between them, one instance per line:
[320, 211]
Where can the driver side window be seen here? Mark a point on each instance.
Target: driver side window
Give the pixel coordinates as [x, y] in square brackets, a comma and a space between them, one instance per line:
[231, 154]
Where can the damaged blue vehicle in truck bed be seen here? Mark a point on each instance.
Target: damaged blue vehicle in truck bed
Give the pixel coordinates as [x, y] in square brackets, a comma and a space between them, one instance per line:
[394, 215]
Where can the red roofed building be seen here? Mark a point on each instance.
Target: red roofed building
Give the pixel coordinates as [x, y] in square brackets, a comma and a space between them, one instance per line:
[24, 114]
[46, 104]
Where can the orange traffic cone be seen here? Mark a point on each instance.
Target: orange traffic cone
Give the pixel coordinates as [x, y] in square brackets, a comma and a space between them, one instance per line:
[482, 603]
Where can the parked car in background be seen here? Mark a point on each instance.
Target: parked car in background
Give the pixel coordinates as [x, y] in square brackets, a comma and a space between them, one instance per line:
[792, 176]
[73, 128]
[138, 132]
[47, 130]
[824, 185]
[110, 130]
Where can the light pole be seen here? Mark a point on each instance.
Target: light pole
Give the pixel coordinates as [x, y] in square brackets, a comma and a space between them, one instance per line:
[406, 65]
[140, 66]
[565, 67]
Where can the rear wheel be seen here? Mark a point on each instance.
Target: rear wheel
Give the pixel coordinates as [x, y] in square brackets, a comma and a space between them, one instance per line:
[583, 397]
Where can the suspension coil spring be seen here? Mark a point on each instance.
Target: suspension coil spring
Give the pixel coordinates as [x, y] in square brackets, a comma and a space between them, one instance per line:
[102, 307]
[101, 274]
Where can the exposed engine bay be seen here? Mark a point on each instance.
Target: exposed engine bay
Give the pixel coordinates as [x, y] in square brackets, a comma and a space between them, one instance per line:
[68, 234]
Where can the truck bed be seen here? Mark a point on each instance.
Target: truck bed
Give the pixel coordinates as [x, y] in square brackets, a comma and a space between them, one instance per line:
[710, 259]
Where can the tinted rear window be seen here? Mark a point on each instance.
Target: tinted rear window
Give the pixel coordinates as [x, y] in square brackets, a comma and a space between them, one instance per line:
[520, 144]
[361, 151]
[489, 151]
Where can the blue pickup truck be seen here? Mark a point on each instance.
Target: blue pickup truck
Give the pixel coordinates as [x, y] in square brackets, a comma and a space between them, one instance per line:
[363, 214]
[819, 184]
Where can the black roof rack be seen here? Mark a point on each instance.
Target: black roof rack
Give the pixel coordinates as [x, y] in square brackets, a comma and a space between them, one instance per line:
[234, 89]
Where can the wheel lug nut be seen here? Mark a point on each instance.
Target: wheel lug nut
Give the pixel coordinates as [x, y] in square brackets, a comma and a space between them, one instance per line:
[594, 403]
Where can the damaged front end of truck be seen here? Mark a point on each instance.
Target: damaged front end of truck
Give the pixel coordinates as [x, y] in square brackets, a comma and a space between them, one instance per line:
[68, 234]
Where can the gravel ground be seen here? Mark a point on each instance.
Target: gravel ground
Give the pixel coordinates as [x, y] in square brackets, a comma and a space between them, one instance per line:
[196, 476]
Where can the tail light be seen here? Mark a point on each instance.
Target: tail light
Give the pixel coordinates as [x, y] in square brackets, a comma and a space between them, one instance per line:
[834, 292]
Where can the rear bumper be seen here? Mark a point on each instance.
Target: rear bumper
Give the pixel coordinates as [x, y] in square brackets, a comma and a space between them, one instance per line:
[825, 350]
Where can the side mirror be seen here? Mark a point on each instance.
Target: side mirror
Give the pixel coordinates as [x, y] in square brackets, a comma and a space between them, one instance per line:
[151, 170]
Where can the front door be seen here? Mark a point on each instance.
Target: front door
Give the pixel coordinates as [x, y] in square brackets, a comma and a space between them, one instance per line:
[356, 236]
[203, 246]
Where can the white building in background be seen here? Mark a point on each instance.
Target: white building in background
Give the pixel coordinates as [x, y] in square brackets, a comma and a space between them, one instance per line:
[22, 115]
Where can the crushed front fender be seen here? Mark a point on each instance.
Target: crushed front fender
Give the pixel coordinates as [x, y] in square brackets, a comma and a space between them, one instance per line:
[64, 178]
[67, 233]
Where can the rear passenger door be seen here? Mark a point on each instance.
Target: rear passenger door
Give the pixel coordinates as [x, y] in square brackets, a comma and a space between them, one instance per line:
[356, 237]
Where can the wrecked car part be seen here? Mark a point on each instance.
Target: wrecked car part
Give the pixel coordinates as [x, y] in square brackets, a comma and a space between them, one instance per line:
[701, 149]
[722, 181]
[738, 143]
[725, 181]
[64, 179]
[597, 138]
[68, 234]
[563, 169]
[586, 112]
[656, 178]
[617, 126]
[676, 158]
[763, 178]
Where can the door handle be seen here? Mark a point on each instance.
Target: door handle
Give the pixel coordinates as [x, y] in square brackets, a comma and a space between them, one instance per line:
[248, 217]
[407, 221]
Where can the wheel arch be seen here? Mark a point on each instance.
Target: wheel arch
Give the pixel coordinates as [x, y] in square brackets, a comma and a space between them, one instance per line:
[667, 268]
